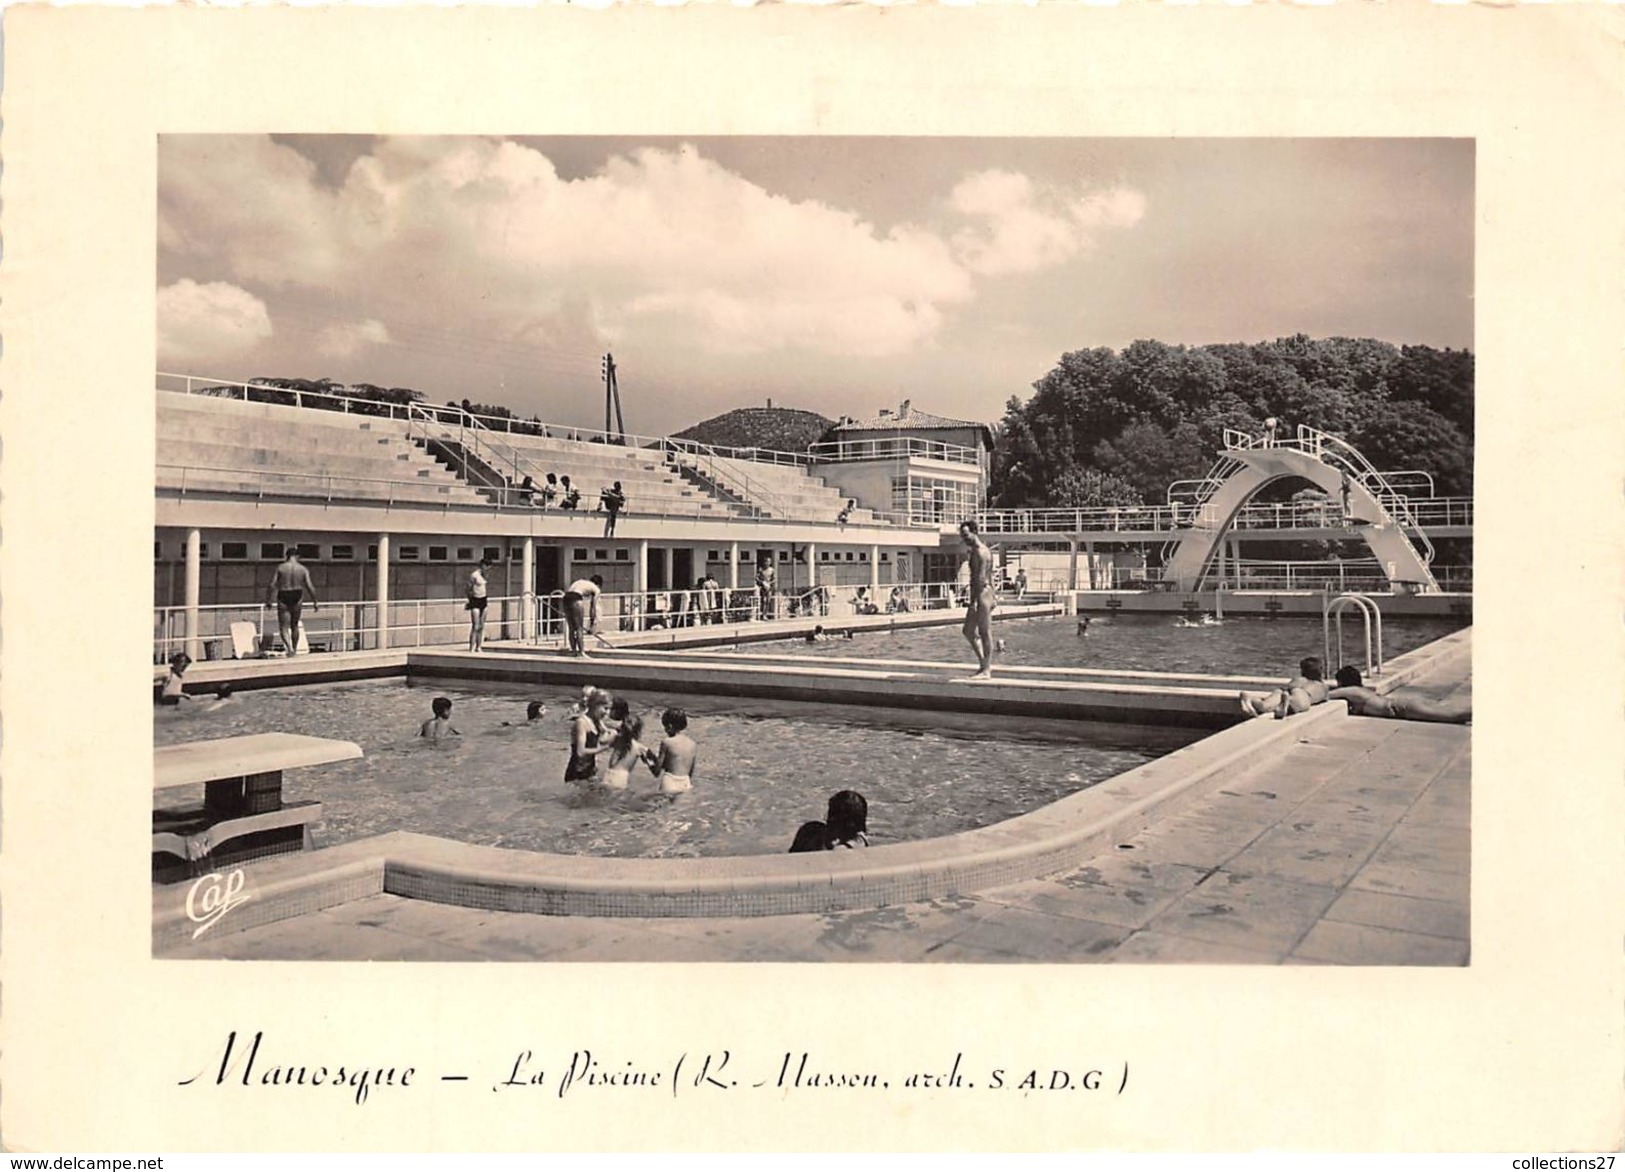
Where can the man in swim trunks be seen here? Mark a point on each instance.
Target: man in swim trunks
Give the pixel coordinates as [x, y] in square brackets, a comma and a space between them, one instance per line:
[1302, 692]
[288, 587]
[978, 629]
[674, 763]
[581, 612]
[476, 605]
[1362, 701]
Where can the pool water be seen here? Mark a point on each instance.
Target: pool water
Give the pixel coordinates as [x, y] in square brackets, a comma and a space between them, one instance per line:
[764, 768]
[1162, 643]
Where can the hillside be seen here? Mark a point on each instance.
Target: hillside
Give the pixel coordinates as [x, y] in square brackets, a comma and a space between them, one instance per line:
[783, 429]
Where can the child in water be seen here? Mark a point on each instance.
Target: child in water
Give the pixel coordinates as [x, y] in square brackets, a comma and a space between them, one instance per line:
[439, 725]
[845, 824]
[674, 763]
[174, 690]
[534, 711]
[625, 751]
[586, 736]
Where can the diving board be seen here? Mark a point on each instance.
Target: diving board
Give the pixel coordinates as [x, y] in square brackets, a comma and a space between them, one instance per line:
[243, 815]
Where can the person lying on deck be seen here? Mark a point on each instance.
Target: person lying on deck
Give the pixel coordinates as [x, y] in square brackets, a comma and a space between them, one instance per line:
[1362, 701]
[1301, 693]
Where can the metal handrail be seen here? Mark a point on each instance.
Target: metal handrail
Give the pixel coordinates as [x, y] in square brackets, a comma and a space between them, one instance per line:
[1343, 455]
[891, 447]
[1370, 611]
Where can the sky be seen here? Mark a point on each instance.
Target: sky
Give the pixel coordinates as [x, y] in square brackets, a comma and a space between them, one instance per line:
[837, 275]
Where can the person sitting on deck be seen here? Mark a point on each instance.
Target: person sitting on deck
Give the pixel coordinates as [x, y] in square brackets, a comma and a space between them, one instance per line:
[572, 494]
[862, 603]
[550, 489]
[1362, 701]
[1301, 693]
[845, 514]
[846, 824]
[526, 491]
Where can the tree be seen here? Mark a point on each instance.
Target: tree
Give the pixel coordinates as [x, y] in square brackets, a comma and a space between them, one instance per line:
[1408, 435]
[1089, 488]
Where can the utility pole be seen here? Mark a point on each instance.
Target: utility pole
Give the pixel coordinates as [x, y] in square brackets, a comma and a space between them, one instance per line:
[612, 398]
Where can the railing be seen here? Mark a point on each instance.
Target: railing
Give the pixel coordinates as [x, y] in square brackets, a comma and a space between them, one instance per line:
[325, 486]
[1364, 575]
[1344, 456]
[891, 447]
[492, 424]
[1437, 512]
[345, 625]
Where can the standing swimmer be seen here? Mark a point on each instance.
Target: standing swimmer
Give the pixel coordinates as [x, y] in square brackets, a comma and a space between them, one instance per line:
[978, 628]
[676, 760]
[477, 588]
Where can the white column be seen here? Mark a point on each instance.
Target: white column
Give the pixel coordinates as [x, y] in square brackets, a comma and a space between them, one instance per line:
[640, 581]
[527, 590]
[382, 598]
[1089, 562]
[194, 571]
[812, 564]
[1072, 564]
[733, 566]
[874, 572]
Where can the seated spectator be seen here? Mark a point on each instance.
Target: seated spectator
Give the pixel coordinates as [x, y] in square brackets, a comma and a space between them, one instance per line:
[527, 491]
[845, 514]
[550, 490]
[846, 824]
[572, 494]
[862, 603]
[898, 602]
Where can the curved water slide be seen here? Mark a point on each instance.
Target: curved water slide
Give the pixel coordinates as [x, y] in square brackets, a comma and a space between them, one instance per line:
[1376, 511]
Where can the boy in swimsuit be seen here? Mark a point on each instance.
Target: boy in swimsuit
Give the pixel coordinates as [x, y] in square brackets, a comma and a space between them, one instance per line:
[674, 763]
[1362, 701]
[288, 587]
[439, 725]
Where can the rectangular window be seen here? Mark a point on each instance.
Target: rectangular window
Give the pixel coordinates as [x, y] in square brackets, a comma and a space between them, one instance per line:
[600, 555]
[342, 553]
[863, 557]
[408, 553]
[885, 557]
[581, 555]
[623, 555]
[784, 555]
[465, 553]
[270, 551]
[372, 553]
[437, 553]
[823, 555]
[234, 551]
[711, 556]
[849, 555]
[309, 552]
[491, 553]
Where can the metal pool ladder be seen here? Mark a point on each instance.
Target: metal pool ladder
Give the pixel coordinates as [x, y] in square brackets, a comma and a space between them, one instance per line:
[1367, 606]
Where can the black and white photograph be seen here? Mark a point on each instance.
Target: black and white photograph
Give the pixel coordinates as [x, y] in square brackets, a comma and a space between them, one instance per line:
[1066, 543]
[850, 579]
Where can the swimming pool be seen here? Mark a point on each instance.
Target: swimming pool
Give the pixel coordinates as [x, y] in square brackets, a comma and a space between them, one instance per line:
[1140, 642]
[765, 767]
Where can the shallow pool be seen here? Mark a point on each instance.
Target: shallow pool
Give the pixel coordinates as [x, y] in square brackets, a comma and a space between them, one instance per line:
[765, 767]
[1163, 643]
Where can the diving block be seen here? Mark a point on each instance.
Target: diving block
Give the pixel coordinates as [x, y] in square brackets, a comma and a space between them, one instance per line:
[242, 816]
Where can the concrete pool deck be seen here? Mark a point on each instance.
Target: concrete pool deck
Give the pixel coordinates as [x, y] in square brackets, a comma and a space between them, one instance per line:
[1325, 838]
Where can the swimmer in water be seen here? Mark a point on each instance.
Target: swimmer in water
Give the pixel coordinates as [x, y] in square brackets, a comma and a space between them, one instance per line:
[846, 824]
[1362, 701]
[439, 725]
[224, 697]
[625, 751]
[817, 635]
[174, 690]
[678, 756]
[534, 711]
[1083, 627]
[586, 741]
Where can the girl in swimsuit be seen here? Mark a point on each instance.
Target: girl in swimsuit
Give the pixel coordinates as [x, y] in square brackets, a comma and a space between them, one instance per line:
[625, 751]
[586, 731]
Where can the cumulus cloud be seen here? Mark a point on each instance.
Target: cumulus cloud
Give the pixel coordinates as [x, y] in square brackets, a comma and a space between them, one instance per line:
[429, 230]
[1018, 228]
[347, 339]
[663, 246]
[212, 322]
